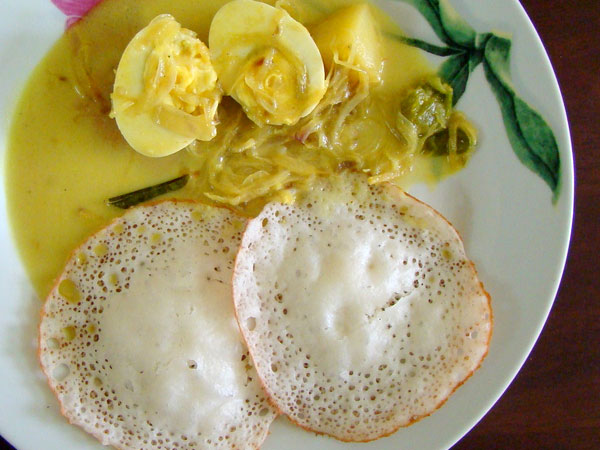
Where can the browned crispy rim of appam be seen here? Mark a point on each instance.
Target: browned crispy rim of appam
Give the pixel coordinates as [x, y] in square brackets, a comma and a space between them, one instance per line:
[63, 411]
[397, 193]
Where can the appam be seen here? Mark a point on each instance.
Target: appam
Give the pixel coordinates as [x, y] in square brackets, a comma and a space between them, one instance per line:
[139, 341]
[360, 308]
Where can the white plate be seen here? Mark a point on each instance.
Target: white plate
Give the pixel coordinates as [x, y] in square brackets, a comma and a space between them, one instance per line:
[515, 235]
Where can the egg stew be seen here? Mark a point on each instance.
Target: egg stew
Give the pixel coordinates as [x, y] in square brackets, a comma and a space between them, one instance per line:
[240, 103]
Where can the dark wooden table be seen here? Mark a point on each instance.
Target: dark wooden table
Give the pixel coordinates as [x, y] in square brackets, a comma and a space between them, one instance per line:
[554, 403]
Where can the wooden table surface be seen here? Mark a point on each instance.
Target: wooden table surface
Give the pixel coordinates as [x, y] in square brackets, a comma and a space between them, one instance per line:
[554, 402]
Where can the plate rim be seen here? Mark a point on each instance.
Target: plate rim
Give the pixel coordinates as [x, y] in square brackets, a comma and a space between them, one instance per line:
[568, 189]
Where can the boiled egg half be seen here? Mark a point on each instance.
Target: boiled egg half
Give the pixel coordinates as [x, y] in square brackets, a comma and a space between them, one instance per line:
[267, 61]
[165, 93]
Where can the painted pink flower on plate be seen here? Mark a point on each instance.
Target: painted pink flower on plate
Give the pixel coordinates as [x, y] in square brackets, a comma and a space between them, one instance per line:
[74, 9]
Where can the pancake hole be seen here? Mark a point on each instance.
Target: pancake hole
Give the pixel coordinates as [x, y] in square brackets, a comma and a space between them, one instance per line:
[60, 372]
[52, 344]
[263, 412]
[69, 333]
[192, 364]
[251, 323]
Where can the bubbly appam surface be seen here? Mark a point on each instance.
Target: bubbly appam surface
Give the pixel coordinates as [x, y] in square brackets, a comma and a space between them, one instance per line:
[360, 308]
[139, 341]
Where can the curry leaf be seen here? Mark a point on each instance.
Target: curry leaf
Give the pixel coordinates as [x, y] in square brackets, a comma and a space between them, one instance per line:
[530, 136]
[142, 195]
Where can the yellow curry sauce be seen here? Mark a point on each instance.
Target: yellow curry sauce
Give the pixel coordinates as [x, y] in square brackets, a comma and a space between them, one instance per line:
[67, 157]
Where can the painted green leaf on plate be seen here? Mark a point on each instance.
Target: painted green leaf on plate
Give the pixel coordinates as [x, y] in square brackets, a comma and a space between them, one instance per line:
[530, 136]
